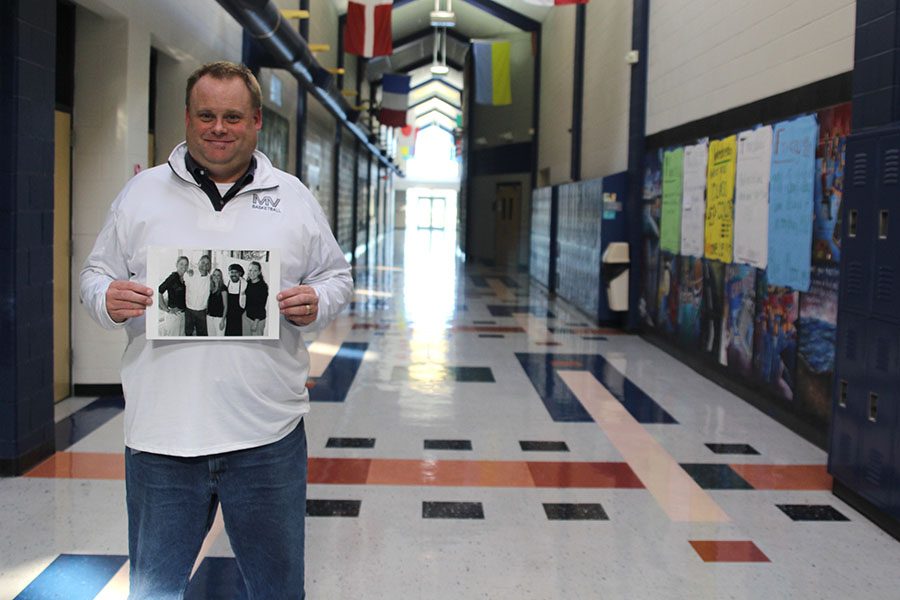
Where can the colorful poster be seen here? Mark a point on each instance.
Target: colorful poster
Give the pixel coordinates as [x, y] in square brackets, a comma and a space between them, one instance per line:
[834, 127]
[690, 296]
[720, 199]
[670, 234]
[693, 201]
[711, 307]
[751, 197]
[652, 200]
[791, 202]
[740, 311]
[775, 342]
[667, 303]
[816, 341]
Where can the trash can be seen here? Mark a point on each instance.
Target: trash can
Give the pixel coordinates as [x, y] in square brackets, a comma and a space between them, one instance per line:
[614, 269]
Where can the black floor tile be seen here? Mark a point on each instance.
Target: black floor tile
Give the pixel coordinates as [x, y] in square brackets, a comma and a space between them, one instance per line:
[452, 510]
[716, 477]
[575, 512]
[460, 374]
[531, 446]
[491, 335]
[732, 448]
[812, 512]
[595, 338]
[448, 445]
[350, 443]
[333, 508]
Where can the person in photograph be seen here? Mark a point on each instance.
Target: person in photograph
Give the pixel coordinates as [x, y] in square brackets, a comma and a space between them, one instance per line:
[215, 304]
[256, 294]
[216, 424]
[236, 300]
[172, 300]
[196, 285]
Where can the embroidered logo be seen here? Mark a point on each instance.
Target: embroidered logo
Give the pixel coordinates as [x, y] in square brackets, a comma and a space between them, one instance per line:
[266, 203]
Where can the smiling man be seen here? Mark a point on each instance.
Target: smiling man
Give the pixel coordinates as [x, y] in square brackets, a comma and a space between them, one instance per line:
[208, 423]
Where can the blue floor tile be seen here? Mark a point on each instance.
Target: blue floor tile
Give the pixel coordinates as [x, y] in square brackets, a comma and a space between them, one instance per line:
[73, 577]
[335, 382]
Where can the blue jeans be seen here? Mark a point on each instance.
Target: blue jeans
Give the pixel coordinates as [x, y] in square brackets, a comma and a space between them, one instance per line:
[172, 502]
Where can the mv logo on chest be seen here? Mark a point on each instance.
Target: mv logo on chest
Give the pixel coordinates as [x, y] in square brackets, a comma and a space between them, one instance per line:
[266, 203]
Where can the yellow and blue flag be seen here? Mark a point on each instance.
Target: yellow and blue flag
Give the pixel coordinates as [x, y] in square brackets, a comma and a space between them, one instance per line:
[492, 83]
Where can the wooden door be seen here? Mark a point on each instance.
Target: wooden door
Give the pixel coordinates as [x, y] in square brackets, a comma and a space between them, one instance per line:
[62, 244]
[507, 217]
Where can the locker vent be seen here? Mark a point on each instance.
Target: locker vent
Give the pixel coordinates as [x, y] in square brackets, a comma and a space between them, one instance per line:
[875, 468]
[882, 354]
[850, 345]
[854, 277]
[884, 284]
[891, 166]
[860, 169]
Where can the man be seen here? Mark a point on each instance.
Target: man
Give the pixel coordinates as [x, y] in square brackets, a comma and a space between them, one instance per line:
[172, 299]
[209, 423]
[196, 298]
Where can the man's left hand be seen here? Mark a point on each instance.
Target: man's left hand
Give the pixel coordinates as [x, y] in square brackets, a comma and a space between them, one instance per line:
[299, 304]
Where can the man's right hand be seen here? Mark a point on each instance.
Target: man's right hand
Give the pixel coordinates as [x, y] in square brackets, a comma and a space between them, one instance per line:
[127, 299]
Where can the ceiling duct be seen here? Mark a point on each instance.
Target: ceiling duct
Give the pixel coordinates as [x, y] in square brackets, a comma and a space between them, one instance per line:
[289, 51]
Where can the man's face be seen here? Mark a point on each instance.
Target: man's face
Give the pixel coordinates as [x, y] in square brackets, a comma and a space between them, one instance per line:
[221, 127]
[203, 265]
[233, 273]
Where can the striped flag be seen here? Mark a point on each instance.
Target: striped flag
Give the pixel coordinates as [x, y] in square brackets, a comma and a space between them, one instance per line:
[394, 99]
[492, 85]
[367, 31]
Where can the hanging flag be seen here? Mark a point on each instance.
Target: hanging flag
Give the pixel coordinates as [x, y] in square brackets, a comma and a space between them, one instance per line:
[407, 141]
[368, 29]
[394, 99]
[492, 84]
[555, 2]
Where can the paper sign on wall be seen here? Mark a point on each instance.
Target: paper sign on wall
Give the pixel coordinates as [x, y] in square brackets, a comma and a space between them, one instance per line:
[751, 197]
[791, 202]
[720, 199]
[670, 225]
[693, 202]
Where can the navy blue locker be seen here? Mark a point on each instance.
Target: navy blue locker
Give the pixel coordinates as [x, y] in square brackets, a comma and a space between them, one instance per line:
[857, 222]
[612, 230]
[541, 219]
[848, 403]
[876, 439]
[886, 217]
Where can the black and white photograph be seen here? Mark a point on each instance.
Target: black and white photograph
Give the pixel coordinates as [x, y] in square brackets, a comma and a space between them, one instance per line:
[213, 294]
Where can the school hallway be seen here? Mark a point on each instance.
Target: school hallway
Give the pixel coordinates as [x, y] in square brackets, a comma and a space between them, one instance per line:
[471, 438]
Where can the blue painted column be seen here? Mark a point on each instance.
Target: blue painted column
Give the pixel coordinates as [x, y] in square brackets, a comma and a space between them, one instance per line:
[27, 73]
[637, 127]
[876, 69]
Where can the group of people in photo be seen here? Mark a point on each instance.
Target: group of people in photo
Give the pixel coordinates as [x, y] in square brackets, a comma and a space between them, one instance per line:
[196, 300]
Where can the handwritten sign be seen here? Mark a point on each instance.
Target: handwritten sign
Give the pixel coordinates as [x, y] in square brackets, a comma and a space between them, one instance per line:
[670, 225]
[693, 203]
[720, 199]
[791, 202]
[751, 197]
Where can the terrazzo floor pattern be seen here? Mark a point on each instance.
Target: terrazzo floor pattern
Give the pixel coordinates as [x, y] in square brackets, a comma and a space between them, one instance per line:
[414, 520]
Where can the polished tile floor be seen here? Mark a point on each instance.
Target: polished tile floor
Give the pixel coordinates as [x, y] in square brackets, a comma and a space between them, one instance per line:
[470, 438]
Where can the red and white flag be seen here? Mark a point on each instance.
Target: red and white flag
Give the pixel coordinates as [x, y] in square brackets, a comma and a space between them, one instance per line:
[368, 29]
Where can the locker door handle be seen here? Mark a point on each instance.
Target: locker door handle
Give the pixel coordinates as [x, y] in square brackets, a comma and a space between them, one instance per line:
[852, 222]
[882, 225]
[842, 394]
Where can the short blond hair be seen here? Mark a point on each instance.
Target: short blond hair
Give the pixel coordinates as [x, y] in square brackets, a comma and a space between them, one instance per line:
[224, 69]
